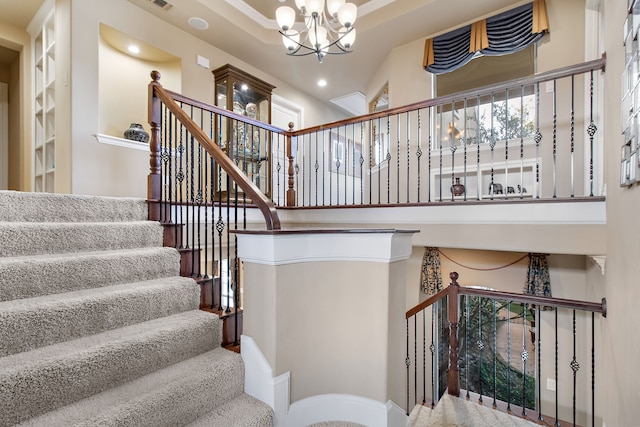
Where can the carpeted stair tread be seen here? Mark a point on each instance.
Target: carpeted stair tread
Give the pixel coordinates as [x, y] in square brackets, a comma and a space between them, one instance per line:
[173, 396]
[17, 206]
[32, 276]
[243, 411]
[458, 412]
[30, 323]
[46, 378]
[420, 415]
[33, 238]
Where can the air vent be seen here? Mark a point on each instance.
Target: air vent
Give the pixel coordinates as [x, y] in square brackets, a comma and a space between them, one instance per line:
[162, 4]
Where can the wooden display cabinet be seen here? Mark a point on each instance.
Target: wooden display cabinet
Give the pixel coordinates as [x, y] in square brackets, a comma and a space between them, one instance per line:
[243, 141]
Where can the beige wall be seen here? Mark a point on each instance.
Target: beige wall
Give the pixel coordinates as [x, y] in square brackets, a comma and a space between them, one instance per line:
[20, 122]
[621, 340]
[108, 170]
[336, 326]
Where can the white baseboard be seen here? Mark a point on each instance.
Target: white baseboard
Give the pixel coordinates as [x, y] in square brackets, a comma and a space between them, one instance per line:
[274, 391]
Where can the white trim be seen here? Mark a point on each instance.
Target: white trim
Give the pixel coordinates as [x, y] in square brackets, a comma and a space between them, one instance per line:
[289, 108]
[568, 212]
[260, 383]
[121, 142]
[36, 23]
[269, 249]
[600, 261]
[4, 136]
[253, 14]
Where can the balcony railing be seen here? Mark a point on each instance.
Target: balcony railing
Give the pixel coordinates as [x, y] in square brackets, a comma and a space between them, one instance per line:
[530, 138]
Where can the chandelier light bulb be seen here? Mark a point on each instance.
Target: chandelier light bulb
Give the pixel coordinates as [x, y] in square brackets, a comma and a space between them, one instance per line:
[325, 32]
[347, 38]
[314, 7]
[347, 14]
[291, 40]
[285, 17]
[333, 6]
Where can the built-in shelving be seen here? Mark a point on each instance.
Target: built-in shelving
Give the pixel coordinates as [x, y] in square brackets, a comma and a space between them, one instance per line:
[44, 108]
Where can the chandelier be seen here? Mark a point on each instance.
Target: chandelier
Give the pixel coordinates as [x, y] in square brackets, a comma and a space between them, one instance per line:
[330, 33]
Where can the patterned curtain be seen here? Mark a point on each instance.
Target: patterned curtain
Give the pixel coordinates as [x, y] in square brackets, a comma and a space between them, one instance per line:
[431, 276]
[502, 34]
[538, 282]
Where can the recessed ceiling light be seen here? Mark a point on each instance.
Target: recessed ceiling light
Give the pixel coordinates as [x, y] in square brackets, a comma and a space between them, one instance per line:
[133, 48]
[198, 23]
[322, 82]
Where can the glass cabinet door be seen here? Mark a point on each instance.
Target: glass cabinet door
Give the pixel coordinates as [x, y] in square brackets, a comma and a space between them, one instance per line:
[244, 141]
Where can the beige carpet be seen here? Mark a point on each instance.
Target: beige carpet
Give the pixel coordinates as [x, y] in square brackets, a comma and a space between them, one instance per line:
[98, 328]
[458, 412]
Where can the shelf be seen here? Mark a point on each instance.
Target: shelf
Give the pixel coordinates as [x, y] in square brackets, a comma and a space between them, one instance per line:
[122, 142]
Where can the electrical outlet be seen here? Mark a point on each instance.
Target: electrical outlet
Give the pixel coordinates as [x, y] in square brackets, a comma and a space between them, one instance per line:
[549, 87]
[551, 384]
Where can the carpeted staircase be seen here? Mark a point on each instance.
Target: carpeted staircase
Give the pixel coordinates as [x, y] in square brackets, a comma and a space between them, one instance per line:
[458, 412]
[98, 328]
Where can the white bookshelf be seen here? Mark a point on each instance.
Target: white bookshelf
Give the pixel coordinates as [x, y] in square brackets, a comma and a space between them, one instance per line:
[42, 30]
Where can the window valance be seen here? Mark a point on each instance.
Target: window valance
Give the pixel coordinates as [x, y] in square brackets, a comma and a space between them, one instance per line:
[505, 33]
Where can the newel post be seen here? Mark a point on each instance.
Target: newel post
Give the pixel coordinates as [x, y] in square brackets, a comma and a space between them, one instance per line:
[291, 193]
[154, 182]
[452, 311]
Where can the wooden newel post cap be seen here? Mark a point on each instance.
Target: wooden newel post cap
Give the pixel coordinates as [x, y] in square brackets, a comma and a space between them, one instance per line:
[454, 278]
[155, 75]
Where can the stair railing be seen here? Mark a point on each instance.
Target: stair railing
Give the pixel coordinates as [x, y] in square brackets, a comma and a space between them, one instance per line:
[523, 139]
[469, 351]
[202, 190]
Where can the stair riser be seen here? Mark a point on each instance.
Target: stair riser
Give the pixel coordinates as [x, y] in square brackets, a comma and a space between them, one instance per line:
[34, 323]
[29, 277]
[36, 388]
[24, 239]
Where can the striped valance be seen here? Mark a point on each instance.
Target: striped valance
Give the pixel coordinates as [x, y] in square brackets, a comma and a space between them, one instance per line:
[501, 34]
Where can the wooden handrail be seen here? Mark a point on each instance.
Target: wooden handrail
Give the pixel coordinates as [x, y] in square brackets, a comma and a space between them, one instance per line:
[596, 64]
[157, 92]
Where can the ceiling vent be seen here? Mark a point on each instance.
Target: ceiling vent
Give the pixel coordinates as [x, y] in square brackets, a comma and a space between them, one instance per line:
[162, 4]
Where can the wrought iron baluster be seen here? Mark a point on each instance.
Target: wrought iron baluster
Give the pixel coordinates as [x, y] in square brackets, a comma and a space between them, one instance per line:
[316, 166]
[464, 140]
[212, 197]
[478, 137]
[575, 366]
[573, 120]
[440, 146]
[398, 159]
[228, 216]
[199, 200]
[591, 131]
[424, 357]
[539, 351]
[492, 145]
[171, 162]
[521, 186]
[361, 161]
[555, 140]
[430, 149]
[220, 226]
[408, 152]
[593, 370]
[180, 179]
[466, 345]
[557, 423]
[415, 358]
[453, 147]
[480, 344]
[525, 357]
[324, 168]
[538, 139]
[432, 348]
[191, 179]
[165, 156]
[506, 143]
[372, 139]
[389, 159]
[509, 356]
[407, 362]
[495, 355]
[419, 152]
[278, 198]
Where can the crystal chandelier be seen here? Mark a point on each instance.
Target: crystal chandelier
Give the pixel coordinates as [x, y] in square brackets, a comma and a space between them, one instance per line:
[329, 33]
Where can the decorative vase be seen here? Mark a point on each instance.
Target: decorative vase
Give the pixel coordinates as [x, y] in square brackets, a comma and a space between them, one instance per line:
[457, 189]
[136, 133]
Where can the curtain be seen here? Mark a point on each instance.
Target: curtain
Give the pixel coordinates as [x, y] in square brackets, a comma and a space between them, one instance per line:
[538, 282]
[502, 34]
[430, 275]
